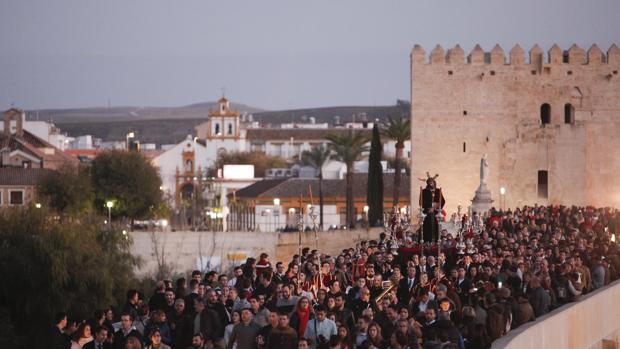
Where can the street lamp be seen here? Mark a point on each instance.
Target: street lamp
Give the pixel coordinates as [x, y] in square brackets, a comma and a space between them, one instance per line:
[276, 211]
[109, 204]
[291, 216]
[37, 205]
[268, 214]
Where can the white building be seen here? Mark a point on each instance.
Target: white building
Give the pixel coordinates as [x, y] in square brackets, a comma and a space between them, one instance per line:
[181, 167]
[82, 142]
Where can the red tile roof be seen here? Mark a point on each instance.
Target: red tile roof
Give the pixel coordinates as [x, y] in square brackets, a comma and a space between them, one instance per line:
[21, 176]
[34, 146]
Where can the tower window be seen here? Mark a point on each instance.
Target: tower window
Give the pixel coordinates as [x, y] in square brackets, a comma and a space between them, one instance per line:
[230, 129]
[492, 72]
[569, 113]
[450, 72]
[464, 112]
[217, 129]
[543, 184]
[545, 114]
[464, 147]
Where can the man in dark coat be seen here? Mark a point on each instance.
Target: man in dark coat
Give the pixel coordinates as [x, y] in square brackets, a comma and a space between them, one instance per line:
[127, 330]
[206, 321]
[58, 339]
[100, 341]
[283, 336]
[181, 325]
[406, 285]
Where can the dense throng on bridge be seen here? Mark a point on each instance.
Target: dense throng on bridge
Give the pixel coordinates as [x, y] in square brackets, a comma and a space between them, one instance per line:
[525, 263]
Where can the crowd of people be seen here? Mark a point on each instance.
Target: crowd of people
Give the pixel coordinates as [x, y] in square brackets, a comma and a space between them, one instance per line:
[523, 264]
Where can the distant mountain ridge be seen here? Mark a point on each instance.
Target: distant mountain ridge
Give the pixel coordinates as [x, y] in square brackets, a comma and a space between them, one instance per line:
[167, 125]
[130, 113]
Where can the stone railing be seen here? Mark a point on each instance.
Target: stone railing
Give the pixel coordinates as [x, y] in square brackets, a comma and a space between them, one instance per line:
[592, 322]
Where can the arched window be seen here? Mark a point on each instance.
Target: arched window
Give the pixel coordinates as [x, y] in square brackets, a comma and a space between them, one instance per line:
[569, 113]
[230, 127]
[545, 114]
[217, 129]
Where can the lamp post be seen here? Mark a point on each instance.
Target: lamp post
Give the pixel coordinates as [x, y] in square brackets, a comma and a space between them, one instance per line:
[268, 214]
[502, 198]
[109, 204]
[291, 217]
[276, 212]
[366, 209]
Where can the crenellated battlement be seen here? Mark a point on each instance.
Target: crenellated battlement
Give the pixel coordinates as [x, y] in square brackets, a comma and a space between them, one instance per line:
[575, 55]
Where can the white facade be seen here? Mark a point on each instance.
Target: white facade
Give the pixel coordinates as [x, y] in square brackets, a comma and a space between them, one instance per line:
[82, 142]
[172, 160]
[218, 145]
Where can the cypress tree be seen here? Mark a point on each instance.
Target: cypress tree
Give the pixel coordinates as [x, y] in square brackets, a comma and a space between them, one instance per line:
[374, 192]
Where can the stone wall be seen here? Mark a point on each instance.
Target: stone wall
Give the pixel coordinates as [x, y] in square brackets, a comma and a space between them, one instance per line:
[491, 105]
[593, 322]
[184, 250]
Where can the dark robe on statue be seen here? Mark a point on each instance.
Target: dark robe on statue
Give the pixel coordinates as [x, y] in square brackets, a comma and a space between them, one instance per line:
[430, 227]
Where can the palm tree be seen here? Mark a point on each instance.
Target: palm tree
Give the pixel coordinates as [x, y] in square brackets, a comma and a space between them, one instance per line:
[317, 157]
[347, 147]
[398, 130]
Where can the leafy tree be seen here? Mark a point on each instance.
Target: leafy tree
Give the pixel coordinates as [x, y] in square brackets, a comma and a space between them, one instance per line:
[317, 158]
[403, 163]
[347, 147]
[398, 130]
[67, 190]
[374, 192]
[130, 180]
[49, 266]
[260, 160]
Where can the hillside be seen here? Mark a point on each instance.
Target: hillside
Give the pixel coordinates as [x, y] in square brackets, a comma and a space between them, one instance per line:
[171, 125]
[114, 114]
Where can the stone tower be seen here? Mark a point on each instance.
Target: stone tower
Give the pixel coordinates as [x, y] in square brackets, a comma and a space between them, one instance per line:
[549, 123]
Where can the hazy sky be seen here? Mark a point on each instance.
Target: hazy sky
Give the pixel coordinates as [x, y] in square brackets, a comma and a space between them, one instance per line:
[268, 54]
